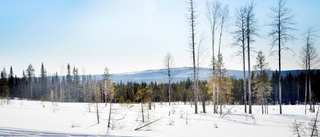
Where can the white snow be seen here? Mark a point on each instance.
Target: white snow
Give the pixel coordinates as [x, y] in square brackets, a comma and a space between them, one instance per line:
[37, 118]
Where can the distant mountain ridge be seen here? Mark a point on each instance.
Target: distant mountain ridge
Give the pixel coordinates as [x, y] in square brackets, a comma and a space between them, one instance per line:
[181, 73]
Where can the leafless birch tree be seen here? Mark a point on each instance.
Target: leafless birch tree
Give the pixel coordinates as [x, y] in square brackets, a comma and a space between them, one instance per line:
[213, 15]
[169, 63]
[217, 15]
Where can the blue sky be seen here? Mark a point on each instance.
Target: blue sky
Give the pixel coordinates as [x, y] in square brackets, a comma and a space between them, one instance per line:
[126, 35]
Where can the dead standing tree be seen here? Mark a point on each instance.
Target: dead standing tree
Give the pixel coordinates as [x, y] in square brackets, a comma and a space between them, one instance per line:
[192, 22]
[251, 30]
[282, 24]
[310, 59]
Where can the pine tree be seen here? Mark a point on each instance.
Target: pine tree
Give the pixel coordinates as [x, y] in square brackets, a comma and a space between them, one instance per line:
[143, 96]
[43, 79]
[261, 85]
[75, 85]
[30, 74]
[12, 83]
[222, 82]
[4, 88]
[68, 83]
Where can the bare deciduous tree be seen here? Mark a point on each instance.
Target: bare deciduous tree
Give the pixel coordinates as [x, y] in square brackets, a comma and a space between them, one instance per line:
[310, 60]
[107, 79]
[169, 63]
[223, 18]
[108, 91]
[282, 24]
[217, 15]
[201, 50]
[239, 37]
[213, 14]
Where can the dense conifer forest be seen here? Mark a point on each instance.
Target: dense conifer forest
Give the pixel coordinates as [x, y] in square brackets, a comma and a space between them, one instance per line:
[84, 88]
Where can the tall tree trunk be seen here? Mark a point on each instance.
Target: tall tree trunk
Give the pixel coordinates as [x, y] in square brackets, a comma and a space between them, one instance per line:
[203, 104]
[97, 111]
[244, 83]
[249, 68]
[192, 23]
[298, 91]
[169, 89]
[305, 95]
[105, 93]
[214, 98]
[279, 78]
[109, 114]
[142, 114]
[310, 94]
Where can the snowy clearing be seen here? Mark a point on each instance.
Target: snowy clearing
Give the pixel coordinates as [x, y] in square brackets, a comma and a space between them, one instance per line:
[37, 118]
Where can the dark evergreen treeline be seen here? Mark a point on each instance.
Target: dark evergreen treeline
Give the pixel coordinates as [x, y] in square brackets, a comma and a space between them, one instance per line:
[85, 88]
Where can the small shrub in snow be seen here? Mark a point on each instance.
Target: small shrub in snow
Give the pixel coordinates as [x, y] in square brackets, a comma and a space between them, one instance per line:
[5, 101]
[129, 101]
[121, 100]
[74, 124]
[181, 113]
[170, 122]
[254, 119]
[297, 128]
[215, 125]
[54, 106]
[187, 119]
[313, 125]
[173, 110]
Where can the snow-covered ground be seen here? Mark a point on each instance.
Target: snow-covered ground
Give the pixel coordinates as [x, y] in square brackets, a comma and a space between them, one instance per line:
[37, 118]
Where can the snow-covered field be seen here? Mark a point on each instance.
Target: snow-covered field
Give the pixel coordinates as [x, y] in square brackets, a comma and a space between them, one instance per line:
[37, 118]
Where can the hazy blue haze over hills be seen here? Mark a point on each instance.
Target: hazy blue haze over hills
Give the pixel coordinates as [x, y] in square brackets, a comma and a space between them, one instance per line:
[159, 75]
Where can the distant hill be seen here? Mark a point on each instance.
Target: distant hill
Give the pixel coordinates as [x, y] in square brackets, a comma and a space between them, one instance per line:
[182, 73]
